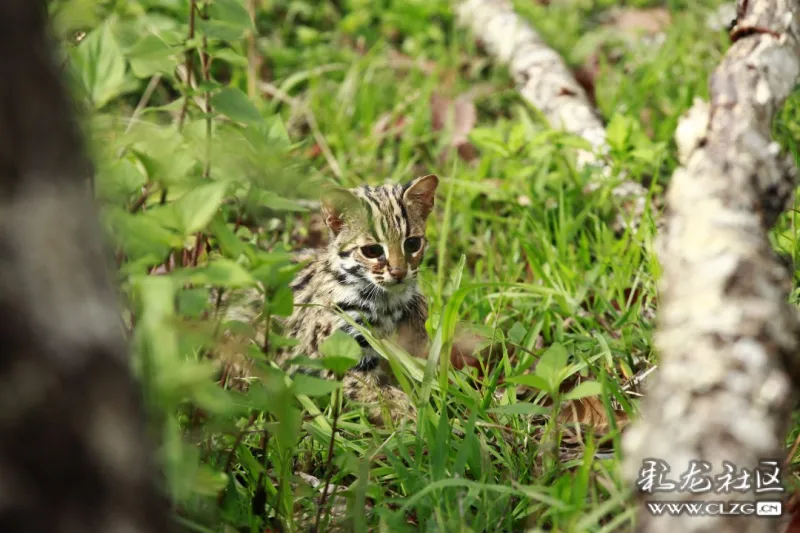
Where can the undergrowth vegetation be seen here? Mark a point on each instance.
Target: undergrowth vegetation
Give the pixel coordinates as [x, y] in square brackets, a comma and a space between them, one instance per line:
[213, 129]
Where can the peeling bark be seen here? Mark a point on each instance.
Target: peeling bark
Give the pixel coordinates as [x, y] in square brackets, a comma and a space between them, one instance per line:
[73, 456]
[727, 337]
[547, 83]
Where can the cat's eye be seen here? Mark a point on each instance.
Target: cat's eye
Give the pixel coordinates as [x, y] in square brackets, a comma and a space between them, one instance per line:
[372, 251]
[412, 245]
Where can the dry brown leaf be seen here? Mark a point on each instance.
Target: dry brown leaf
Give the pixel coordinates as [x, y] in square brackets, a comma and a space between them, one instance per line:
[460, 116]
[586, 75]
[389, 125]
[590, 412]
[648, 21]
[465, 116]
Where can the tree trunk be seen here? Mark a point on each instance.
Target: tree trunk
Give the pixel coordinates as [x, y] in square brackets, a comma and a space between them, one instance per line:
[73, 455]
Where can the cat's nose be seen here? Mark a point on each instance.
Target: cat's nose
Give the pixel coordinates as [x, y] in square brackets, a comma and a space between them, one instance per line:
[398, 273]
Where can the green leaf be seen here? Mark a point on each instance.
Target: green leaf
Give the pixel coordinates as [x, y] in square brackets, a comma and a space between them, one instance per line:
[305, 362]
[214, 29]
[617, 131]
[339, 365]
[192, 302]
[584, 389]
[220, 273]
[552, 361]
[118, 180]
[231, 56]
[341, 352]
[100, 65]
[282, 302]
[141, 235]
[231, 12]
[197, 207]
[520, 408]
[229, 243]
[517, 333]
[489, 139]
[152, 55]
[312, 387]
[340, 344]
[275, 202]
[235, 105]
[531, 380]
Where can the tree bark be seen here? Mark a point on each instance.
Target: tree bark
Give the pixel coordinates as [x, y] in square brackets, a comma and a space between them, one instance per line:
[547, 83]
[73, 455]
[728, 339]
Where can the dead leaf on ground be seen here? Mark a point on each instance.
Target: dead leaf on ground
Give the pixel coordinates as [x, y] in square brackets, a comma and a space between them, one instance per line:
[586, 75]
[389, 125]
[459, 116]
[635, 22]
[400, 61]
[590, 413]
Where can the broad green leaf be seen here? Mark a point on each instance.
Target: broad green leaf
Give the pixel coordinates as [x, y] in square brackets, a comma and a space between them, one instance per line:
[229, 243]
[100, 65]
[215, 29]
[197, 207]
[339, 365]
[230, 56]
[282, 302]
[341, 352]
[517, 333]
[489, 139]
[276, 271]
[584, 389]
[192, 302]
[118, 180]
[618, 131]
[235, 105]
[276, 130]
[184, 377]
[141, 235]
[520, 408]
[313, 387]
[552, 361]
[275, 202]
[340, 344]
[208, 482]
[531, 380]
[231, 12]
[152, 55]
[220, 273]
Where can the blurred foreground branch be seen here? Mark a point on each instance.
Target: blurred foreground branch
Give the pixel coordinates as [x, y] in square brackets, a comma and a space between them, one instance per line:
[727, 337]
[73, 456]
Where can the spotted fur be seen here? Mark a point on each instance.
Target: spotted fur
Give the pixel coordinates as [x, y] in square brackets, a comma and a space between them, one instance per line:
[379, 291]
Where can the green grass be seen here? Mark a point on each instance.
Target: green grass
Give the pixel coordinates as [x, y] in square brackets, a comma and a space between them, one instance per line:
[519, 252]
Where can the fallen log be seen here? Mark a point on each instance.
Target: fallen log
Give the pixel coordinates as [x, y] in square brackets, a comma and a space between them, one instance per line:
[547, 83]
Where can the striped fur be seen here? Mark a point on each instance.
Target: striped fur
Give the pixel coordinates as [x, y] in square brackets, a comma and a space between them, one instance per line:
[380, 292]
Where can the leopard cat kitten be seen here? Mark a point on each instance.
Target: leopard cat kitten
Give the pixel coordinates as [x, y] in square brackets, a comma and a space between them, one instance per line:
[368, 271]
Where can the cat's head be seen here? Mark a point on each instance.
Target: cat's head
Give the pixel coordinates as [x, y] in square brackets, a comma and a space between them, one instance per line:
[378, 233]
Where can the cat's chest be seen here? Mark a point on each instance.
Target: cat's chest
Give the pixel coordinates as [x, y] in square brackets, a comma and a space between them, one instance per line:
[383, 313]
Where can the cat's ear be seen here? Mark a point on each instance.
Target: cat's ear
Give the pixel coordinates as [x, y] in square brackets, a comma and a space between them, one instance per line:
[338, 204]
[421, 193]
